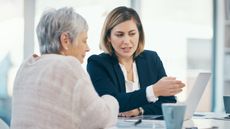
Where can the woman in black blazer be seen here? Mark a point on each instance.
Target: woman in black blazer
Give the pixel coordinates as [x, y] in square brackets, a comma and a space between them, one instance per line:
[136, 77]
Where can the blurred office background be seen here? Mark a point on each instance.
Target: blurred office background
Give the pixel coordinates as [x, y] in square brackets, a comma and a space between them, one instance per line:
[181, 31]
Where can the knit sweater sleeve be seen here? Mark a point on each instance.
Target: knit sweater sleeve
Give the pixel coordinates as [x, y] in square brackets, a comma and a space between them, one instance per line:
[89, 109]
[93, 111]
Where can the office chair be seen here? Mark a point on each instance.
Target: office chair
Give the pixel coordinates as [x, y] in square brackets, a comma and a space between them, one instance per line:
[5, 109]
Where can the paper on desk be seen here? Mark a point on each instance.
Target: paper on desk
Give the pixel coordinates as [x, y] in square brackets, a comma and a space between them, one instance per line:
[129, 123]
[143, 117]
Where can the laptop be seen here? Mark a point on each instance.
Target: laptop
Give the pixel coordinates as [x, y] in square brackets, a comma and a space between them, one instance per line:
[191, 102]
[195, 95]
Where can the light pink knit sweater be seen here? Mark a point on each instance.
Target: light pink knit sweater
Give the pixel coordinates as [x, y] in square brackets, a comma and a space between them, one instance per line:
[54, 92]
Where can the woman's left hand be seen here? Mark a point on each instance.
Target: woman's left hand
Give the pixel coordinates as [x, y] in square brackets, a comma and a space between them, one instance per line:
[131, 113]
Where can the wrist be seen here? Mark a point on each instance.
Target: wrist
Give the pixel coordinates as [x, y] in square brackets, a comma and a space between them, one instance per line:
[155, 91]
[141, 111]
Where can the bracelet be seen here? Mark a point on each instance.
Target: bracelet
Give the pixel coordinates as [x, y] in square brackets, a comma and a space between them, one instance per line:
[141, 111]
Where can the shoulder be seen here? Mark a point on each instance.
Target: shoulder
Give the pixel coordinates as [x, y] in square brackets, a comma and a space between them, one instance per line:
[60, 64]
[101, 63]
[102, 58]
[148, 54]
[62, 61]
[73, 66]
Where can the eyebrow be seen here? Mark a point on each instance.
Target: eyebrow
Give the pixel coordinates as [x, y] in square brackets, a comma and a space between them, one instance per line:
[123, 32]
[132, 30]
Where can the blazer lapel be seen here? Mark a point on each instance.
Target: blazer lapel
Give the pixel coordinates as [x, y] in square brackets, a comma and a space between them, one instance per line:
[120, 77]
[142, 70]
[119, 74]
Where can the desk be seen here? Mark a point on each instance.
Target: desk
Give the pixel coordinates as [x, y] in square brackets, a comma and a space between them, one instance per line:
[206, 121]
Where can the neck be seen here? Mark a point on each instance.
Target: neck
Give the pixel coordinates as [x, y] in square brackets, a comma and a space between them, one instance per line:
[128, 64]
[126, 61]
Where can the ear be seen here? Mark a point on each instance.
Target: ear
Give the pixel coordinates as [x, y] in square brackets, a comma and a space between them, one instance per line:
[65, 41]
[109, 40]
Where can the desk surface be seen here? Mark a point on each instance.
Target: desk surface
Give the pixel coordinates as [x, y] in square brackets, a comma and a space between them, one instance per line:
[202, 121]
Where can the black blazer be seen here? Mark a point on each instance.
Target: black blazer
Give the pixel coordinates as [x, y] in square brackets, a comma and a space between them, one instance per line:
[107, 78]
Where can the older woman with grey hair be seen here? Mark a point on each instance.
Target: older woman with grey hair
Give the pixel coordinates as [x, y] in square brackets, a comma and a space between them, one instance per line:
[52, 91]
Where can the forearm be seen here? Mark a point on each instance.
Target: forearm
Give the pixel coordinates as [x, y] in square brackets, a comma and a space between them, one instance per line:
[133, 100]
[155, 108]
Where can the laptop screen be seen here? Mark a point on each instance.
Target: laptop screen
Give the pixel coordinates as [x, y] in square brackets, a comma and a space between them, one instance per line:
[196, 93]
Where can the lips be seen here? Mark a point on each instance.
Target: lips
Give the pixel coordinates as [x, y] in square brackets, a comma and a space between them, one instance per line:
[127, 49]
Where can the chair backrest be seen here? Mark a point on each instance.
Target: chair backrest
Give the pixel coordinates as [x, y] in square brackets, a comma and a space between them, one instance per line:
[5, 109]
[3, 125]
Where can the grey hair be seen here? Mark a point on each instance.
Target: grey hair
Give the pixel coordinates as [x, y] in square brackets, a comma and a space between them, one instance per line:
[55, 22]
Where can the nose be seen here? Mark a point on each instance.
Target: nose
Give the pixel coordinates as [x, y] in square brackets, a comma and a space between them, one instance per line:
[126, 39]
[87, 48]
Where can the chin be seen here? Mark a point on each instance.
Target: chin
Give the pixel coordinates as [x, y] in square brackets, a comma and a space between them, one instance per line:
[127, 55]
